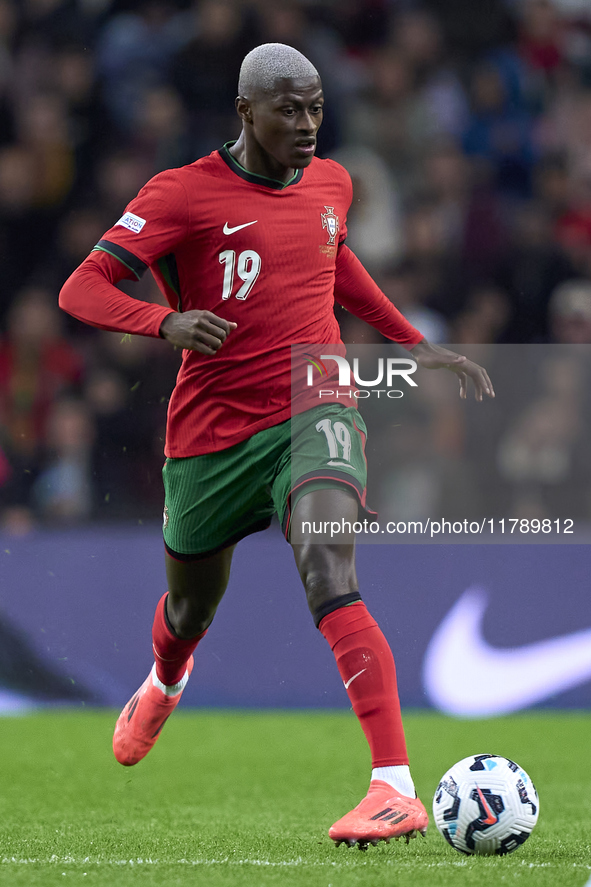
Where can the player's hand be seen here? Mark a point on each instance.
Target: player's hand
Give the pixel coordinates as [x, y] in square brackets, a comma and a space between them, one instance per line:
[434, 357]
[196, 330]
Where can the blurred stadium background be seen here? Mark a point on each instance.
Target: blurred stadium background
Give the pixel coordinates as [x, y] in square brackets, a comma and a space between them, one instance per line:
[467, 132]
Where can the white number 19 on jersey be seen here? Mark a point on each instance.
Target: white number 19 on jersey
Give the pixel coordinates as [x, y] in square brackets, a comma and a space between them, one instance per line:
[247, 268]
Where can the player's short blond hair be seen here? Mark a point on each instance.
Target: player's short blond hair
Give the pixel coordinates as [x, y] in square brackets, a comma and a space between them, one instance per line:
[269, 62]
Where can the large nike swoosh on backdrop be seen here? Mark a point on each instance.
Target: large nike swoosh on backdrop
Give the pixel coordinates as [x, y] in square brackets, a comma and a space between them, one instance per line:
[464, 675]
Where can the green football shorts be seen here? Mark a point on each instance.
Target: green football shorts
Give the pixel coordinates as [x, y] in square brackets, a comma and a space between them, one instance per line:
[214, 500]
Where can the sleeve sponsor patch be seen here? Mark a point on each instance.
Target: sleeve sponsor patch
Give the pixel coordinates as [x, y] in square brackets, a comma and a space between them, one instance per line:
[132, 222]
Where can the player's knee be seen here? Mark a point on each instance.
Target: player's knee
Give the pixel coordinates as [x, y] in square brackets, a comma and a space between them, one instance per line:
[318, 589]
[321, 597]
[327, 576]
[188, 617]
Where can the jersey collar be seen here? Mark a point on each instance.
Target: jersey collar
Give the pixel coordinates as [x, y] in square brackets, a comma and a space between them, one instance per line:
[253, 177]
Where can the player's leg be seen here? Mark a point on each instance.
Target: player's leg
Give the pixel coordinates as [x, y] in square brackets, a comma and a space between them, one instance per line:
[362, 652]
[211, 501]
[195, 589]
[185, 612]
[325, 494]
[181, 620]
[366, 665]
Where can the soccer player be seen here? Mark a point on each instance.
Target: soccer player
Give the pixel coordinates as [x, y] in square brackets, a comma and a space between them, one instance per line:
[248, 247]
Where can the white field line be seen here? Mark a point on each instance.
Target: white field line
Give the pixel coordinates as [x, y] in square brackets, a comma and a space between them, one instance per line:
[355, 859]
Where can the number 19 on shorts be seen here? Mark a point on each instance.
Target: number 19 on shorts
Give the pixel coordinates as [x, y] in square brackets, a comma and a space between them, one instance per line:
[337, 437]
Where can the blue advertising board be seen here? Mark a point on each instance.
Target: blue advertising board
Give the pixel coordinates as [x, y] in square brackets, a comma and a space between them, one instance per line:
[475, 629]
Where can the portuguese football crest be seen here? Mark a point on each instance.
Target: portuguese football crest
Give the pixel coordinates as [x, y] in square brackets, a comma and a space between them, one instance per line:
[331, 223]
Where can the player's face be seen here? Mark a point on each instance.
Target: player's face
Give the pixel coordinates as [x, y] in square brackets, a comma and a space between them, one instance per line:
[286, 121]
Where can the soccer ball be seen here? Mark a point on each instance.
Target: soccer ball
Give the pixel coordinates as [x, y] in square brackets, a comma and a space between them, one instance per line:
[485, 804]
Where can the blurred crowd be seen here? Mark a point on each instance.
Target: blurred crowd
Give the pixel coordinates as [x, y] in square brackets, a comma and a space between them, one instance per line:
[524, 455]
[466, 128]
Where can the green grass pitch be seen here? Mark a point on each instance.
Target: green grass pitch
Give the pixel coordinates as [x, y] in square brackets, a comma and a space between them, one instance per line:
[231, 798]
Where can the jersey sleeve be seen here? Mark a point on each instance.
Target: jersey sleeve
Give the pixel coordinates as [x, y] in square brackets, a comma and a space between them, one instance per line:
[90, 294]
[153, 223]
[356, 291]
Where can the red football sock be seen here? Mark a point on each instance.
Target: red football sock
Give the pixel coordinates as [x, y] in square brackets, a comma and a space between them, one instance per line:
[366, 665]
[170, 652]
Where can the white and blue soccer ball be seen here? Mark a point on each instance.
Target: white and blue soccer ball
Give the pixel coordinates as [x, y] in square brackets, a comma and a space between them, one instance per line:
[485, 805]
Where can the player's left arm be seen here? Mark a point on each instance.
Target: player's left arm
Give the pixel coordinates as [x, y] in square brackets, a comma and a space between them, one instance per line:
[356, 291]
[434, 357]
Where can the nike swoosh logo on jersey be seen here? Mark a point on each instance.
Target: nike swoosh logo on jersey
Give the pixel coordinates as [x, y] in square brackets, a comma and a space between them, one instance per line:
[342, 464]
[350, 681]
[465, 675]
[228, 230]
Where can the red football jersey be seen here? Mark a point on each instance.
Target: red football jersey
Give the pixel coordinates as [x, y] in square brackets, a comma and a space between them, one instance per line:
[252, 250]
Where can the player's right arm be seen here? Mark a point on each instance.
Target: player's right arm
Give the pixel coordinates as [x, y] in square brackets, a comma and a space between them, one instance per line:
[153, 224]
[196, 330]
[90, 294]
